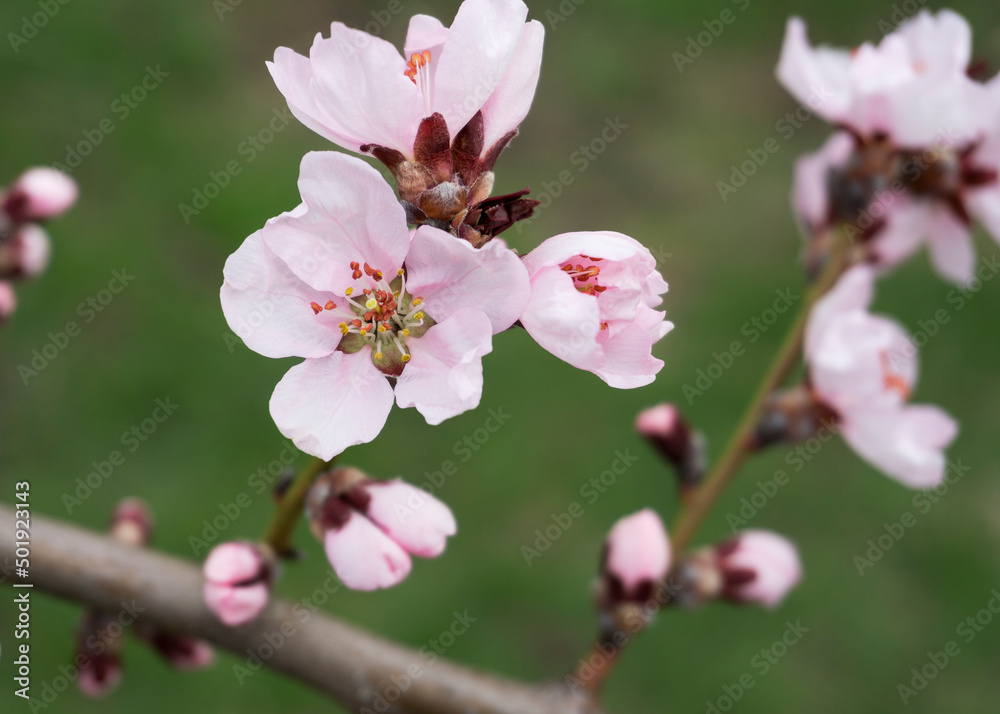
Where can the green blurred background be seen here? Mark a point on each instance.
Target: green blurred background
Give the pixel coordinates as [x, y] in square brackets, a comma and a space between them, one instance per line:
[164, 337]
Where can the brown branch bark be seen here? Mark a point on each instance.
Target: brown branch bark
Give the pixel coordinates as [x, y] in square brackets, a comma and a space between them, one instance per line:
[350, 665]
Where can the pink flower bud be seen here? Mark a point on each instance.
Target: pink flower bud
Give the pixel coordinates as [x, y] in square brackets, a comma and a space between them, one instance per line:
[25, 254]
[370, 528]
[665, 428]
[39, 194]
[637, 555]
[98, 652]
[413, 518]
[8, 301]
[132, 522]
[364, 557]
[180, 651]
[237, 583]
[758, 566]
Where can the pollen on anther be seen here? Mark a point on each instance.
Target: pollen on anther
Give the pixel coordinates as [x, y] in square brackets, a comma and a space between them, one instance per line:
[316, 308]
[330, 305]
[371, 304]
[348, 291]
[404, 333]
[378, 355]
[405, 358]
[343, 328]
[419, 316]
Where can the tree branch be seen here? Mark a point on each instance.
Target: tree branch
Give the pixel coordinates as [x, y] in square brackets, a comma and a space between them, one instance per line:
[352, 666]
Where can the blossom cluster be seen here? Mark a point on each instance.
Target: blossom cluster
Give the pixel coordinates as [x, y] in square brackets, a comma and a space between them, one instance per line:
[916, 156]
[38, 195]
[394, 296]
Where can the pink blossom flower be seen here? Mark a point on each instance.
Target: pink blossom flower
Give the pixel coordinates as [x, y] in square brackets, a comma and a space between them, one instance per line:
[237, 583]
[341, 283]
[358, 91]
[758, 567]
[637, 556]
[370, 528]
[863, 368]
[925, 152]
[39, 194]
[898, 222]
[592, 304]
[911, 86]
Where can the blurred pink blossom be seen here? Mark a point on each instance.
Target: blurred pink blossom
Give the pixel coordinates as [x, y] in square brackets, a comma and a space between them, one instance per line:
[637, 555]
[863, 367]
[758, 566]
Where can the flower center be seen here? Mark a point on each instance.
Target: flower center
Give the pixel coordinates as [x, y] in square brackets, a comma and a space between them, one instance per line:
[380, 315]
[582, 276]
[893, 381]
[419, 72]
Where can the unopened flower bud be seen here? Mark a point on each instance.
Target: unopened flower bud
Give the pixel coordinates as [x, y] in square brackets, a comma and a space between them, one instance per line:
[132, 523]
[791, 417]
[665, 428]
[8, 301]
[759, 567]
[237, 582]
[370, 528]
[180, 651]
[755, 566]
[25, 253]
[98, 654]
[39, 194]
[636, 557]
